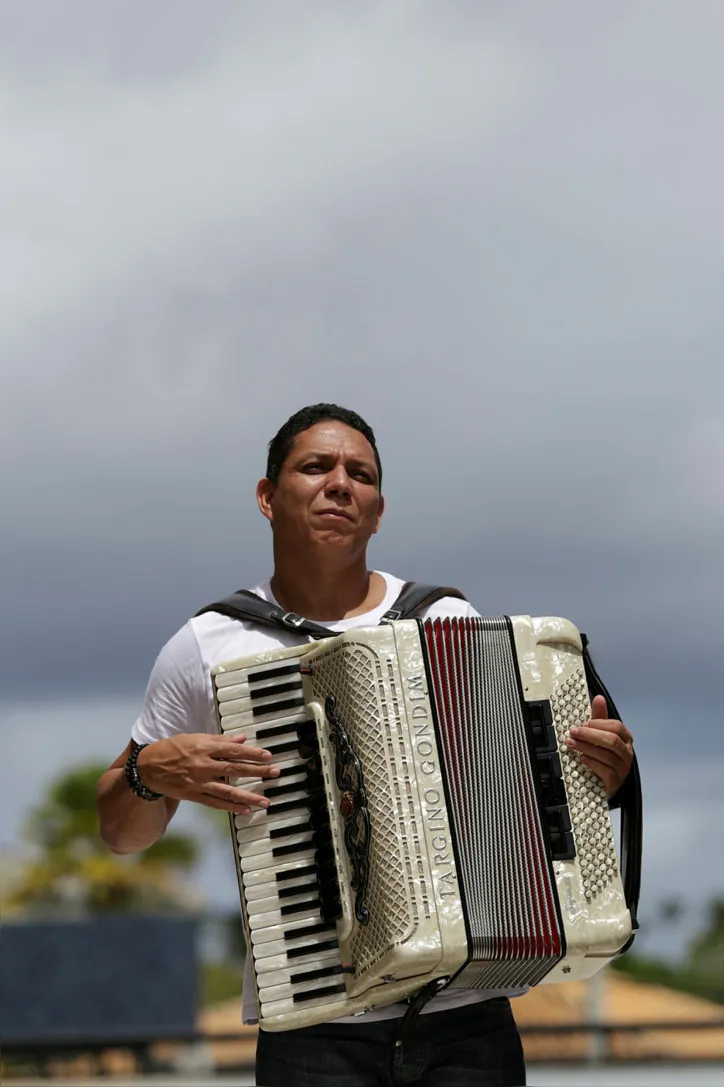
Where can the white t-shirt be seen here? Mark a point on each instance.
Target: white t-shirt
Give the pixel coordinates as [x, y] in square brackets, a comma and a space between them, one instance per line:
[179, 698]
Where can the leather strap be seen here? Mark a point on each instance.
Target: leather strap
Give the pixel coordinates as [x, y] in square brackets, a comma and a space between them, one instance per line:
[247, 607]
[629, 799]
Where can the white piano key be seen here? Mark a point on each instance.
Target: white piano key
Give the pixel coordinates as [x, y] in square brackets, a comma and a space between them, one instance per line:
[236, 675]
[265, 710]
[244, 722]
[261, 906]
[272, 666]
[285, 991]
[265, 890]
[256, 879]
[247, 701]
[276, 917]
[265, 860]
[288, 930]
[305, 945]
[277, 969]
[235, 690]
[261, 831]
[335, 1004]
[260, 846]
[268, 815]
[251, 783]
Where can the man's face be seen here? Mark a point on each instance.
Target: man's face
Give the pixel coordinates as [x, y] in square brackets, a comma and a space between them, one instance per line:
[327, 491]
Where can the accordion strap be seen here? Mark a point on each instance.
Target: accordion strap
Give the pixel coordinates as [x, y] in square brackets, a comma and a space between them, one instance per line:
[247, 607]
[628, 799]
[415, 597]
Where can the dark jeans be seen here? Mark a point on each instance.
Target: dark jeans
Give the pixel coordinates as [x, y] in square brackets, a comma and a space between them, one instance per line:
[474, 1046]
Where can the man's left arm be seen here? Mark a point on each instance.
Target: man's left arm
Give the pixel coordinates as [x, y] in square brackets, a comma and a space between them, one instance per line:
[605, 746]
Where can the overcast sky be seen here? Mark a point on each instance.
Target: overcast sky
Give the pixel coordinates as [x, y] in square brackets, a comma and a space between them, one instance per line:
[494, 229]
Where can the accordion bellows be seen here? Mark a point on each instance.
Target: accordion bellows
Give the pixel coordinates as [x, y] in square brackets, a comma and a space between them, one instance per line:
[430, 821]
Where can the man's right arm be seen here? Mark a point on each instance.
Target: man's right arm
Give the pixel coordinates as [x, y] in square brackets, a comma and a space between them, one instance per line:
[129, 824]
[180, 758]
[191, 766]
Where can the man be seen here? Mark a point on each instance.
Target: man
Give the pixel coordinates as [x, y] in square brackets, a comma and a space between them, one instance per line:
[322, 496]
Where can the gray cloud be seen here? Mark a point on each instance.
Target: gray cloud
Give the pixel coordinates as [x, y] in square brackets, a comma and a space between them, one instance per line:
[492, 229]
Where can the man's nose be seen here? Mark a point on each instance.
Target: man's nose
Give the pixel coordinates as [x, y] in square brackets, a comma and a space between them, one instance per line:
[338, 482]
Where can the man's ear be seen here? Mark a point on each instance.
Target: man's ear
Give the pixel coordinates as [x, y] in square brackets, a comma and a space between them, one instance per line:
[265, 490]
[380, 511]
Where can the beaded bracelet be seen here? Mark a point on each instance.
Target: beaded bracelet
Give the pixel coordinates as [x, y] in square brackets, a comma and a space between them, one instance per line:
[134, 778]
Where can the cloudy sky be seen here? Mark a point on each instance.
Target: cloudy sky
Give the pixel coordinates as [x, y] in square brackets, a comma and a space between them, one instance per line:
[492, 228]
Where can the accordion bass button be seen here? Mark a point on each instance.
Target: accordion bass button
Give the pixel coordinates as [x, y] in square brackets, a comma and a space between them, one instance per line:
[322, 838]
[308, 748]
[331, 911]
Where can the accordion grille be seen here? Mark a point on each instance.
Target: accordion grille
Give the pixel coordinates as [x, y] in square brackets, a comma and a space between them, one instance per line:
[509, 893]
[595, 844]
[354, 675]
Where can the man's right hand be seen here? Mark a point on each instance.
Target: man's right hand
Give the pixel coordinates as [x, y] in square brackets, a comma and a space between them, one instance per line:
[195, 766]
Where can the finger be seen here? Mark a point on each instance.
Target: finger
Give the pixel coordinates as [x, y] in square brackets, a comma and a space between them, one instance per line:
[246, 770]
[605, 755]
[599, 709]
[222, 805]
[610, 725]
[242, 753]
[599, 737]
[234, 796]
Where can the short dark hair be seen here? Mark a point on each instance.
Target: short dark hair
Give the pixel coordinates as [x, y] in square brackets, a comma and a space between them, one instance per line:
[281, 443]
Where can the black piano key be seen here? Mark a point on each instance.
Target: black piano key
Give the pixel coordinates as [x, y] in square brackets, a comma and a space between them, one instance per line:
[312, 949]
[272, 673]
[286, 832]
[312, 975]
[293, 873]
[288, 850]
[311, 930]
[300, 907]
[282, 688]
[288, 805]
[288, 771]
[275, 730]
[281, 749]
[282, 790]
[290, 892]
[277, 708]
[313, 994]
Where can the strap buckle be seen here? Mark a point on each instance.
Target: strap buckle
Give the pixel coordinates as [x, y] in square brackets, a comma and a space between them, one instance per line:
[391, 616]
[291, 619]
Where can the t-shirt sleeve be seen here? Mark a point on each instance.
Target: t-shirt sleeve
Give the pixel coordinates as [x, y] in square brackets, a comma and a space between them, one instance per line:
[177, 698]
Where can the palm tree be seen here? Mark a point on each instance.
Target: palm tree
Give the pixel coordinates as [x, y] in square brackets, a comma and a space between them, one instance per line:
[71, 867]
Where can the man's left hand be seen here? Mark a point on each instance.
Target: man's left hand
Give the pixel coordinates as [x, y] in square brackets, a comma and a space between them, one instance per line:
[606, 746]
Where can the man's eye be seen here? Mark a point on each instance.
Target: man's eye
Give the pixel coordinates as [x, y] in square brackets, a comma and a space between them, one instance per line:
[313, 468]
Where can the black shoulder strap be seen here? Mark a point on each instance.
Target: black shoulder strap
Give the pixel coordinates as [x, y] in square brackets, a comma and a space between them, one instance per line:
[415, 597]
[628, 798]
[250, 608]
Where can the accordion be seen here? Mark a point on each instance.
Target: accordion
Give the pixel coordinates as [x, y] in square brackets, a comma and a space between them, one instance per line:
[429, 824]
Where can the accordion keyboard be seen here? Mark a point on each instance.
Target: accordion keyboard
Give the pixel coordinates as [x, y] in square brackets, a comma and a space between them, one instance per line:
[286, 864]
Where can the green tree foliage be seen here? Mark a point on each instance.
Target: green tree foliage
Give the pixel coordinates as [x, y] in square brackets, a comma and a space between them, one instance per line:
[71, 867]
